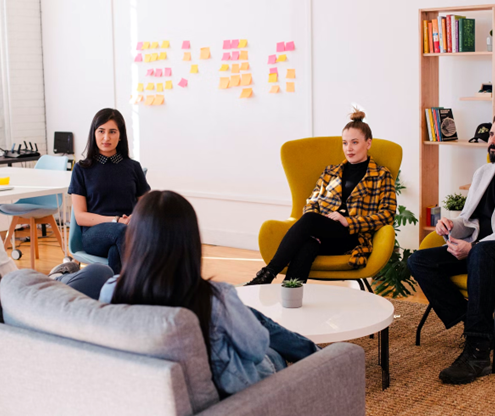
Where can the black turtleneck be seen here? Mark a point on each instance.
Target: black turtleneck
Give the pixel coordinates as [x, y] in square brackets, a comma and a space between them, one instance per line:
[351, 176]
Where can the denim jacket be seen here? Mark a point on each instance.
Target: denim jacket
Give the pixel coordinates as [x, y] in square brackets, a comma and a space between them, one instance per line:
[238, 342]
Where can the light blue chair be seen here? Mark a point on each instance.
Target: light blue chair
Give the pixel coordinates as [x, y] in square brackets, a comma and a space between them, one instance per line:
[37, 210]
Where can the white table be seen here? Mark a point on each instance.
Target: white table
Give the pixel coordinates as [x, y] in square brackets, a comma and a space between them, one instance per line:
[329, 314]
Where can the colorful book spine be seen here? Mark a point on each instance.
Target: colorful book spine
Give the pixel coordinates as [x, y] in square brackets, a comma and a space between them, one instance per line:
[466, 35]
[436, 123]
[440, 34]
[436, 43]
[457, 35]
[430, 36]
[430, 137]
[432, 127]
[449, 34]
[444, 33]
[426, 44]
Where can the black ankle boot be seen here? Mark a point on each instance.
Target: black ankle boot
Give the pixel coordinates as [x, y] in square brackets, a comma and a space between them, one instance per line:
[473, 362]
[263, 277]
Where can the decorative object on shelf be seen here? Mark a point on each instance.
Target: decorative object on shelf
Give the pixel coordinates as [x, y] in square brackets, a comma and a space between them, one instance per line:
[485, 90]
[292, 293]
[447, 124]
[482, 133]
[454, 203]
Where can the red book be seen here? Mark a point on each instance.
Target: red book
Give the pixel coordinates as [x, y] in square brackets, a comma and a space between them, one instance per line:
[449, 34]
[430, 36]
[436, 42]
[428, 216]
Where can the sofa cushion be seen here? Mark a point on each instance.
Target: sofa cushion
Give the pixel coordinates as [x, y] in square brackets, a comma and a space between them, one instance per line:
[33, 301]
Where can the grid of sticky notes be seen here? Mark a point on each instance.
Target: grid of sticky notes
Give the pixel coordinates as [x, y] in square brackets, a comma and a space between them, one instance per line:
[235, 59]
[276, 71]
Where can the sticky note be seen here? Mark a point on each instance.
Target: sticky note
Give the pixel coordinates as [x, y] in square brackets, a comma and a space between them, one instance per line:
[291, 73]
[235, 80]
[282, 58]
[150, 86]
[163, 56]
[235, 55]
[159, 87]
[139, 46]
[242, 43]
[168, 85]
[165, 44]
[186, 45]
[273, 78]
[226, 56]
[140, 87]
[272, 59]
[159, 99]
[244, 56]
[235, 68]
[224, 67]
[147, 57]
[289, 46]
[205, 53]
[149, 100]
[183, 83]
[226, 44]
[246, 93]
[138, 58]
[150, 72]
[158, 72]
[154, 45]
[154, 57]
[246, 79]
[187, 56]
[234, 43]
[245, 66]
[168, 72]
[290, 87]
[273, 70]
[194, 69]
[146, 45]
[224, 83]
[138, 99]
[274, 89]
[280, 46]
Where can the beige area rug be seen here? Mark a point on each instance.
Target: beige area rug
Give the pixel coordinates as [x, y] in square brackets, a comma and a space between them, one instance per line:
[415, 388]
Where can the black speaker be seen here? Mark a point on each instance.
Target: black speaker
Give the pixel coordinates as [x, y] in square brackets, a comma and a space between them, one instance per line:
[63, 143]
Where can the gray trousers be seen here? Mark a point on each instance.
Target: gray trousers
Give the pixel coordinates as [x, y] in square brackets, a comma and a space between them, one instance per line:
[88, 280]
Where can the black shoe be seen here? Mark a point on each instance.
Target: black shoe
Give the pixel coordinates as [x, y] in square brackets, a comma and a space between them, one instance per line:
[473, 362]
[263, 277]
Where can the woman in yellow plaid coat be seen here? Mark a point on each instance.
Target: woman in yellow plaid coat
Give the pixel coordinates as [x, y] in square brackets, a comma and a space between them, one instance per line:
[349, 203]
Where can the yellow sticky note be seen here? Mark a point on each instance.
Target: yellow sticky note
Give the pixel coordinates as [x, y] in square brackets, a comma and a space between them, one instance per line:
[159, 87]
[246, 79]
[244, 56]
[147, 57]
[154, 45]
[245, 66]
[149, 100]
[150, 86]
[273, 78]
[187, 56]
[224, 67]
[291, 73]
[282, 58]
[242, 43]
[274, 89]
[205, 53]
[163, 56]
[194, 69]
[290, 87]
[140, 87]
[154, 57]
[159, 99]
[235, 80]
[224, 83]
[168, 85]
[235, 68]
[146, 45]
[165, 44]
[246, 93]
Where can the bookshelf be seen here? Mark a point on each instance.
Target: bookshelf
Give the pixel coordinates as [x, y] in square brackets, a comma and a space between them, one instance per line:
[429, 97]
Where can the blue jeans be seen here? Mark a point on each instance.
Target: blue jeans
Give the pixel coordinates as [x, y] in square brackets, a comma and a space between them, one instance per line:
[432, 269]
[88, 280]
[106, 240]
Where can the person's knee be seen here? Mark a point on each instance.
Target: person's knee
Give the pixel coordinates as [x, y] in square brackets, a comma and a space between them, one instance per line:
[100, 271]
[484, 252]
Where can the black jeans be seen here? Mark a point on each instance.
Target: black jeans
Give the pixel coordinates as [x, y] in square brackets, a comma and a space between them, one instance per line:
[432, 269]
[300, 246]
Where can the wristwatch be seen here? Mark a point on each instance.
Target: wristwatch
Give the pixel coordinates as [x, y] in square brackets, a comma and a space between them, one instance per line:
[116, 219]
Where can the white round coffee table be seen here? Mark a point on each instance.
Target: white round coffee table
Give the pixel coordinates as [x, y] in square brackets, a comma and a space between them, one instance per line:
[329, 314]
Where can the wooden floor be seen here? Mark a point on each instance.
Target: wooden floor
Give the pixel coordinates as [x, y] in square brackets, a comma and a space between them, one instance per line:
[232, 265]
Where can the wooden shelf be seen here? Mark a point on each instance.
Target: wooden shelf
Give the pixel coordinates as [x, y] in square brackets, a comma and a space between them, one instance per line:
[465, 187]
[479, 98]
[484, 53]
[458, 143]
[429, 228]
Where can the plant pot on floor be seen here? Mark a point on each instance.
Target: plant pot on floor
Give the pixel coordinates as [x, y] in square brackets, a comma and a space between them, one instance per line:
[292, 293]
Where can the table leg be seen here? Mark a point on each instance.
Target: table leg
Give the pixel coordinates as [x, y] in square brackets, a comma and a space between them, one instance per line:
[383, 351]
[64, 202]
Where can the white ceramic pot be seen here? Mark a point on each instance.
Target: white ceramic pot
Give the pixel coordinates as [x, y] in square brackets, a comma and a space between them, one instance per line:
[454, 214]
[292, 296]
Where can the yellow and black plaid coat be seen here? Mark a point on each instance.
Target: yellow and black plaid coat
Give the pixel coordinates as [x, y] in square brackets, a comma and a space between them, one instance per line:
[371, 205]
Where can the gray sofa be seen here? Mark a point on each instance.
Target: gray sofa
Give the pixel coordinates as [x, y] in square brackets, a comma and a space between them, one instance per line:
[62, 353]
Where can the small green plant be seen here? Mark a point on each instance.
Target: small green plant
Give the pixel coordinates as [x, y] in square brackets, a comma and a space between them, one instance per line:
[454, 202]
[292, 283]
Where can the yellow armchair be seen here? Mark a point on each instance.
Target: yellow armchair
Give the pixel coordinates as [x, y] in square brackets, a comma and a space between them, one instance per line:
[304, 160]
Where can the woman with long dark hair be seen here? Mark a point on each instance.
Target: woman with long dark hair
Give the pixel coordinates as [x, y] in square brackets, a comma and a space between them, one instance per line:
[105, 187]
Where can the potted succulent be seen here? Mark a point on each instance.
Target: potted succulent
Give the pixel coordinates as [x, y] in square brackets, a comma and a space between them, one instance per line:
[454, 204]
[292, 293]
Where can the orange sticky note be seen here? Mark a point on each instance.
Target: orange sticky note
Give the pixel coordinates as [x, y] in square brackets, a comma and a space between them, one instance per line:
[154, 45]
[140, 87]
[244, 56]
[246, 79]
[138, 99]
[146, 45]
[235, 68]
[165, 44]
[149, 100]
[235, 80]
[205, 53]
[291, 73]
[150, 86]
[147, 57]
[224, 67]
[159, 87]
[159, 99]
[282, 58]
[290, 87]
[168, 85]
[224, 83]
[187, 56]
[245, 66]
[163, 56]
[242, 43]
[274, 89]
[273, 78]
[154, 57]
[246, 93]
[194, 69]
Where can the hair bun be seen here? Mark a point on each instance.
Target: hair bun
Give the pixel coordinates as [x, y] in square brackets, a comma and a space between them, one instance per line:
[357, 115]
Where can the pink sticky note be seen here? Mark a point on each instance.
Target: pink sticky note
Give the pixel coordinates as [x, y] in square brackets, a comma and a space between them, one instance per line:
[234, 43]
[235, 55]
[273, 71]
[289, 46]
[186, 45]
[139, 46]
[280, 46]
[272, 59]
[226, 44]
[226, 56]
[183, 83]
[138, 58]
[150, 72]
[158, 73]
[168, 72]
